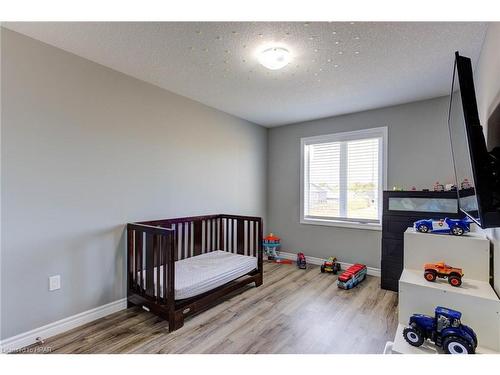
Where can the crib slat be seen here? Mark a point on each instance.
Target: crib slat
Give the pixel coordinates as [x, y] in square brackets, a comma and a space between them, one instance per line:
[180, 239]
[259, 243]
[197, 229]
[130, 257]
[213, 235]
[150, 288]
[208, 237]
[157, 244]
[185, 236]
[188, 242]
[169, 272]
[138, 260]
[204, 234]
[240, 233]
[164, 248]
[221, 235]
[233, 236]
[247, 238]
[255, 239]
[227, 243]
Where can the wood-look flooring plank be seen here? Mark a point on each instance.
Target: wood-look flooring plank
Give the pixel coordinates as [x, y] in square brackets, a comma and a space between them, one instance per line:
[294, 311]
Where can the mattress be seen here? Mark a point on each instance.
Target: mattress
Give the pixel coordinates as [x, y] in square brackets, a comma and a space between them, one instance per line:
[202, 273]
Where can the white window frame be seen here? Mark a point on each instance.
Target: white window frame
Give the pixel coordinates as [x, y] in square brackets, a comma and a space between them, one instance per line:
[380, 132]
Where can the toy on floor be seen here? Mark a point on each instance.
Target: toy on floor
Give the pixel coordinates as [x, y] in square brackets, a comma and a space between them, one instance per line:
[444, 329]
[281, 260]
[301, 261]
[330, 265]
[456, 227]
[442, 270]
[271, 244]
[352, 276]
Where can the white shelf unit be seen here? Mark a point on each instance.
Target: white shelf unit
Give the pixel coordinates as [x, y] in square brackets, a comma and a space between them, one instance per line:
[470, 252]
[475, 299]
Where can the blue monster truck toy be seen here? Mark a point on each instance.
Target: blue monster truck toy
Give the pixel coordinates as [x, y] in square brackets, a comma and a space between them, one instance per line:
[444, 329]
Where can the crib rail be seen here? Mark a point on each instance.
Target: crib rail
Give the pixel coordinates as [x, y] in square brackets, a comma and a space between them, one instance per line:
[201, 234]
[150, 252]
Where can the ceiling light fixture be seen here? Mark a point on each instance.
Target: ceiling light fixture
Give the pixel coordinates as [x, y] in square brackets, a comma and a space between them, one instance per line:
[274, 58]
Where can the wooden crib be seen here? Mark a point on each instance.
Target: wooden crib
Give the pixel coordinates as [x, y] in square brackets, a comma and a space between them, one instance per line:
[154, 246]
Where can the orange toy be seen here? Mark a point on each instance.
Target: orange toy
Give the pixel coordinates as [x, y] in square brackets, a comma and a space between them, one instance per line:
[442, 270]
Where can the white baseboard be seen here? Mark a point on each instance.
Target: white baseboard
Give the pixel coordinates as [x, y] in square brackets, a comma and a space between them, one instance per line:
[319, 261]
[28, 338]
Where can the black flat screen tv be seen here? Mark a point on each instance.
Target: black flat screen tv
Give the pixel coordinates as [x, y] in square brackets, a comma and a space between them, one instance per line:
[477, 166]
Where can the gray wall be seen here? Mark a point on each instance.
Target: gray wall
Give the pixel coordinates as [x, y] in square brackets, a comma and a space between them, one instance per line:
[86, 149]
[487, 79]
[418, 154]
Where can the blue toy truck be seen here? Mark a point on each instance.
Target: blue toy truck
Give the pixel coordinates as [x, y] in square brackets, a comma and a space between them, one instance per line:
[444, 329]
[456, 227]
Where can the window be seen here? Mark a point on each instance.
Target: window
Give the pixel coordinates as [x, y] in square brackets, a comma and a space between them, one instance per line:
[342, 178]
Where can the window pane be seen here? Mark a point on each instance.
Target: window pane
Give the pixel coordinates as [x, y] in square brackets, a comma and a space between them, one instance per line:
[324, 161]
[363, 179]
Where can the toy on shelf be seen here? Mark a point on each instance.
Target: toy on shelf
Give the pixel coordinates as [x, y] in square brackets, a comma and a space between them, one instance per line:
[450, 187]
[442, 270]
[271, 244]
[330, 265]
[444, 329]
[456, 227]
[352, 276]
[301, 261]
[438, 186]
[465, 184]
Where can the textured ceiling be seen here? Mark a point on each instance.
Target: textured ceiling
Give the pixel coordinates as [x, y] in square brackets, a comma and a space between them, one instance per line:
[337, 67]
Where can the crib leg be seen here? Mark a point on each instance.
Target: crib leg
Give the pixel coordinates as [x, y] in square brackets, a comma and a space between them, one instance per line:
[129, 304]
[258, 282]
[175, 321]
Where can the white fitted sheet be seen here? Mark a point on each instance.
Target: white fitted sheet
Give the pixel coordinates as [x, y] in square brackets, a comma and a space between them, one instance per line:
[202, 273]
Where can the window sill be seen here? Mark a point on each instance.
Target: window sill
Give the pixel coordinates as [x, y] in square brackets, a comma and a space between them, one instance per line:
[342, 224]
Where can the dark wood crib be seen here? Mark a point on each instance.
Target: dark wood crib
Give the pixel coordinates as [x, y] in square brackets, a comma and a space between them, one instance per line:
[163, 242]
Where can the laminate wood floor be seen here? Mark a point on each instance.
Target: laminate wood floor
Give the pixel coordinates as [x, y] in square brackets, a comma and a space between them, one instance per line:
[294, 311]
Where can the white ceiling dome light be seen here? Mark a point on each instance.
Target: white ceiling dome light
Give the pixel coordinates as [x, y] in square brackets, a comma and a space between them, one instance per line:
[274, 58]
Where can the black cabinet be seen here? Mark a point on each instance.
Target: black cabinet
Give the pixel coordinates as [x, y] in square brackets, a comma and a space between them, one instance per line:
[400, 210]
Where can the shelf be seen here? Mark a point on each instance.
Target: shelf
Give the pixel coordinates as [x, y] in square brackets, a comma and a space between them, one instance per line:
[476, 300]
[474, 288]
[470, 252]
[469, 236]
[400, 346]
